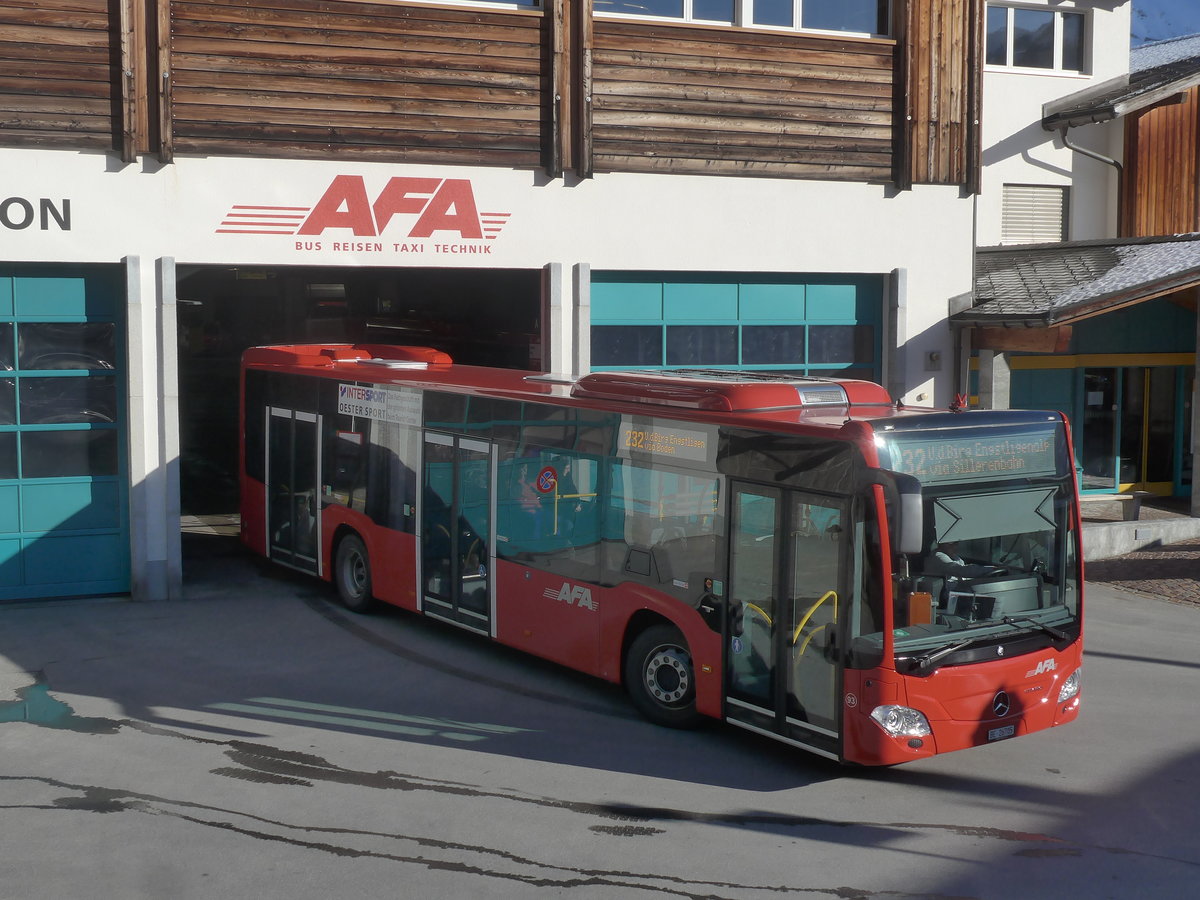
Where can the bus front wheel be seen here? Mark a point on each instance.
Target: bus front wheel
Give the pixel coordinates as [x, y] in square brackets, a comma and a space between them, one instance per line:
[352, 574]
[660, 678]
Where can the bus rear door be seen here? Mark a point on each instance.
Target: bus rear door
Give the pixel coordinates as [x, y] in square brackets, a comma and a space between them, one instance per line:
[457, 545]
[787, 580]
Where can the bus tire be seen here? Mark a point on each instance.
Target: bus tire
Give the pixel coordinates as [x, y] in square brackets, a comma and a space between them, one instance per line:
[660, 678]
[352, 574]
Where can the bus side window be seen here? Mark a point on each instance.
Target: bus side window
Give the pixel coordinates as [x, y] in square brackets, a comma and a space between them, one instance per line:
[668, 523]
[345, 476]
[520, 520]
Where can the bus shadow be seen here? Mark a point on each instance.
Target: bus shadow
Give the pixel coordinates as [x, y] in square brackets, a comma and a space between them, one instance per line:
[254, 649]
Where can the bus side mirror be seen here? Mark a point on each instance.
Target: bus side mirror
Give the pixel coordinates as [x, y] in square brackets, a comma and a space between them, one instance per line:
[906, 513]
[910, 515]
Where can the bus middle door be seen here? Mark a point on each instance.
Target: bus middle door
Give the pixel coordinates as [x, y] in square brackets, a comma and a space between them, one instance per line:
[457, 546]
[786, 583]
[293, 500]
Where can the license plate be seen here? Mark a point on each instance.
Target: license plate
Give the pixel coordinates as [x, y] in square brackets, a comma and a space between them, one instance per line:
[997, 734]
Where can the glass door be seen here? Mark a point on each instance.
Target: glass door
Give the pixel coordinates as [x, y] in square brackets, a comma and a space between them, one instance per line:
[1157, 469]
[1133, 421]
[787, 583]
[293, 509]
[1097, 447]
[457, 549]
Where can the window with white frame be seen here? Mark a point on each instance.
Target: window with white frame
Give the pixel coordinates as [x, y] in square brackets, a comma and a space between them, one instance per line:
[871, 17]
[1034, 214]
[1023, 37]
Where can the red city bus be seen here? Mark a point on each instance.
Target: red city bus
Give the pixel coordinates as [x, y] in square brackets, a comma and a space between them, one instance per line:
[796, 556]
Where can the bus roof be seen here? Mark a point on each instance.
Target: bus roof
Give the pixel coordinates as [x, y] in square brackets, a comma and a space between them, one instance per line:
[754, 399]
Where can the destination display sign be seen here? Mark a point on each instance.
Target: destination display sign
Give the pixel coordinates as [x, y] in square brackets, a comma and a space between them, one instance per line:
[932, 457]
[641, 436]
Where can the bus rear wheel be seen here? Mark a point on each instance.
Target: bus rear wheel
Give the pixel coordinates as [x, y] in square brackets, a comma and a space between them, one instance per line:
[352, 574]
[660, 678]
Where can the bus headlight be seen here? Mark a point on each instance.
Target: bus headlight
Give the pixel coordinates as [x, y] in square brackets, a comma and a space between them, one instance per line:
[1070, 687]
[901, 721]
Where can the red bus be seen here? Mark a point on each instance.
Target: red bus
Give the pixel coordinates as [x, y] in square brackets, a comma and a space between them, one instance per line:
[799, 557]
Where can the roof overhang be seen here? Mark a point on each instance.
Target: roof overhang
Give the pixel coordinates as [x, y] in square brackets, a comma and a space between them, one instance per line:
[1177, 71]
[1050, 285]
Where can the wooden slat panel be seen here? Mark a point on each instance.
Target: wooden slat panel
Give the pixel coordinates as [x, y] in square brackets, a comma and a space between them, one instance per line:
[793, 139]
[15, 53]
[313, 77]
[1159, 190]
[332, 133]
[722, 43]
[59, 74]
[734, 101]
[941, 52]
[719, 120]
[335, 14]
[444, 128]
[75, 8]
[693, 146]
[333, 43]
[774, 169]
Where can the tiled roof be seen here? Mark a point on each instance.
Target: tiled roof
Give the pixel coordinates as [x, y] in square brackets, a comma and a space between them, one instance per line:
[1050, 284]
[1156, 71]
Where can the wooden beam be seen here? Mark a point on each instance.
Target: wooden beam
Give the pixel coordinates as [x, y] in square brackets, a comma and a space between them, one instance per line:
[127, 80]
[166, 141]
[558, 89]
[974, 77]
[581, 53]
[902, 16]
[1029, 340]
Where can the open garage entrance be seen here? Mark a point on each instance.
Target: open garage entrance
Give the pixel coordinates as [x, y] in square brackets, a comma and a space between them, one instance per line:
[482, 317]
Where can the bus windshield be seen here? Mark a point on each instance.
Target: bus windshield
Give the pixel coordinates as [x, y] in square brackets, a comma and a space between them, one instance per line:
[1000, 554]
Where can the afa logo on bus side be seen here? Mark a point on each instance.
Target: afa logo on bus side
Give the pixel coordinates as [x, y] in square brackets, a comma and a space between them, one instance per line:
[573, 595]
[446, 211]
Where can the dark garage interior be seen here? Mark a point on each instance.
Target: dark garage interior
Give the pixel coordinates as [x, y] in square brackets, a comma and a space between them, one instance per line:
[482, 317]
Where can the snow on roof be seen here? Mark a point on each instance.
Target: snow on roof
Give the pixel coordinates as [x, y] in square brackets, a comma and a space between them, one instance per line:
[1162, 53]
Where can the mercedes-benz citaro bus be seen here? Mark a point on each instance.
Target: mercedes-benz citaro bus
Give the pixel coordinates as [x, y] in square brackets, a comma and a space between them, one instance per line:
[797, 556]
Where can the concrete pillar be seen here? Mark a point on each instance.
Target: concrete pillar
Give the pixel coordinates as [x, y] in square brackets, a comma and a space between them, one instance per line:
[168, 433]
[895, 338]
[556, 335]
[995, 380]
[156, 570]
[147, 570]
[581, 319]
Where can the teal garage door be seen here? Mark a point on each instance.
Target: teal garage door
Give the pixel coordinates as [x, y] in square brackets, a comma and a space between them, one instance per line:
[64, 524]
[819, 325]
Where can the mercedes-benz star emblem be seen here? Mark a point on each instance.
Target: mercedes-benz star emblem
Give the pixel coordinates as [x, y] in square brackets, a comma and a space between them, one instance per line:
[1001, 704]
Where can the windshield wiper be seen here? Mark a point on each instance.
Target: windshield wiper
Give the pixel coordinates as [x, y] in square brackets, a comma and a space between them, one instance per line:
[1016, 621]
[927, 664]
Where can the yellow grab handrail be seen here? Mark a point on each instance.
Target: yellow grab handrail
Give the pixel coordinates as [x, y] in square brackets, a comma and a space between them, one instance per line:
[808, 615]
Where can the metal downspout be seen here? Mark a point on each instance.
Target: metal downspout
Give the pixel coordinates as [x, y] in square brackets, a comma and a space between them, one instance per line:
[1108, 161]
[1091, 154]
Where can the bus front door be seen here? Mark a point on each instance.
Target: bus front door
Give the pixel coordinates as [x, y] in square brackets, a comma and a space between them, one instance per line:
[786, 582]
[293, 505]
[457, 549]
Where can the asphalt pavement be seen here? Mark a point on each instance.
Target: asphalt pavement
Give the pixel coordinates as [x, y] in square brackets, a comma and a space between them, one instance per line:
[256, 740]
